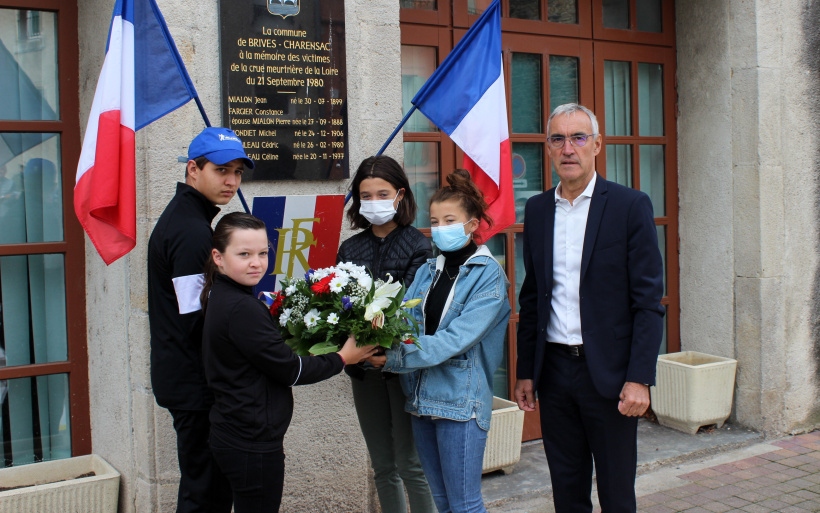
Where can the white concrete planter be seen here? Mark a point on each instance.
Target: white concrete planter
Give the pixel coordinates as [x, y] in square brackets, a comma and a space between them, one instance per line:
[504, 438]
[693, 390]
[51, 487]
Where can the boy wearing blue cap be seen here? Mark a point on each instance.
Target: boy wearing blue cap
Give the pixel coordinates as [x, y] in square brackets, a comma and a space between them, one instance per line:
[177, 251]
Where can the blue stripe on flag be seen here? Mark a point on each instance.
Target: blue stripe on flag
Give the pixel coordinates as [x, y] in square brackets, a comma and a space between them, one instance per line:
[162, 84]
[465, 75]
[124, 8]
[271, 210]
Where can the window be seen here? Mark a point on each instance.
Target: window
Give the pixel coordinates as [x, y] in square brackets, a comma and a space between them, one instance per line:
[636, 96]
[424, 145]
[614, 56]
[43, 375]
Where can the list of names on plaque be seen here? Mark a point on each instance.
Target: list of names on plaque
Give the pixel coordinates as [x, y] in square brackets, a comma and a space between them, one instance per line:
[284, 86]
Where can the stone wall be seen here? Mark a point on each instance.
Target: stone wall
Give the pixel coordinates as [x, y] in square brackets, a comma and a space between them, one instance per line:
[324, 446]
[748, 154]
[748, 222]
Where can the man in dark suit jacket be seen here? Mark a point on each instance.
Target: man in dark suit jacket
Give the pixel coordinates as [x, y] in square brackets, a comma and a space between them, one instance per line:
[591, 321]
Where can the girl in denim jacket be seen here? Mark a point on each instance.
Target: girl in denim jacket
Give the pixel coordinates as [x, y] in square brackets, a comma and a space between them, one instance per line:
[464, 314]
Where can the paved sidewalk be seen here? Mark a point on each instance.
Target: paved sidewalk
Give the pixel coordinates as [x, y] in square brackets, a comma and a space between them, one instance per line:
[785, 480]
[763, 476]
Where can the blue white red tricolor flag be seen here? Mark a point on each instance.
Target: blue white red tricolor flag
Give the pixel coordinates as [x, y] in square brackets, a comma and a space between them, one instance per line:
[303, 232]
[143, 78]
[465, 98]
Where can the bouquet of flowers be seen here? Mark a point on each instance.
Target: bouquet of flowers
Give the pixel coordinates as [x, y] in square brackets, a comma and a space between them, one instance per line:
[318, 312]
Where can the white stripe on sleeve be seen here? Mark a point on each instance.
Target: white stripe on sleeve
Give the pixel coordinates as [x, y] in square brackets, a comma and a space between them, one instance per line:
[188, 288]
[300, 371]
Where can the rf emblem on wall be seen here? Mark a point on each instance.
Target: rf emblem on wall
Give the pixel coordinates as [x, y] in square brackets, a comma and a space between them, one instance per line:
[284, 8]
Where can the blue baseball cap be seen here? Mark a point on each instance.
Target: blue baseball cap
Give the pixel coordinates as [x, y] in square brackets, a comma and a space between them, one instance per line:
[219, 145]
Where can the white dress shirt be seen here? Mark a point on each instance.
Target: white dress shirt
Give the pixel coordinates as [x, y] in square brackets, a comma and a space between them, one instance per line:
[567, 248]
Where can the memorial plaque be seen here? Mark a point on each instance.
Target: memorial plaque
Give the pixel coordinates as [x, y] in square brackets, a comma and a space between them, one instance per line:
[284, 86]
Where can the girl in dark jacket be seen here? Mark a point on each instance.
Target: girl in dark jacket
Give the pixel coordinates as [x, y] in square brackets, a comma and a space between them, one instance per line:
[384, 206]
[249, 367]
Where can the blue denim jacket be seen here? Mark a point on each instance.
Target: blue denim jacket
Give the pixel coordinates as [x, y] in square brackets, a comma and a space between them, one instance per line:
[451, 375]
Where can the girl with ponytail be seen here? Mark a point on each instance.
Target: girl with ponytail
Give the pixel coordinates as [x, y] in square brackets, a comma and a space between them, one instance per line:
[249, 367]
[464, 313]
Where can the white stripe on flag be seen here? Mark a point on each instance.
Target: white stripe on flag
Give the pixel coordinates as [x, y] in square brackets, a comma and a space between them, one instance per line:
[483, 129]
[112, 93]
[297, 207]
[128, 103]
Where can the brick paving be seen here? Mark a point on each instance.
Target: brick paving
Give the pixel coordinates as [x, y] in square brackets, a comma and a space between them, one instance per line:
[786, 480]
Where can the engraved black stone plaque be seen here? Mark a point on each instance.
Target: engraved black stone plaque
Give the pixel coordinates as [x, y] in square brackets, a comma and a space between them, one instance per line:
[284, 86]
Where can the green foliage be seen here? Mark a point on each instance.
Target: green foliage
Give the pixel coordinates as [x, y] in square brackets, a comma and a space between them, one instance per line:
[318, 312]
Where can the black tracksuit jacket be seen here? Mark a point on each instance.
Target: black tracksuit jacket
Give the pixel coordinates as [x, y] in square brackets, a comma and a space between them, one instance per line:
[251, 370]
[177, 250]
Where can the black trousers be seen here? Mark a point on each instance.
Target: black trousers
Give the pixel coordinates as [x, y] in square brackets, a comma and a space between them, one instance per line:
[257, 478]
[580, 427]
[202, 487]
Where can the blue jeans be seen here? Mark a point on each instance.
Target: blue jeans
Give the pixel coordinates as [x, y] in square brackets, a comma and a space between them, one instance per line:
[451, 455]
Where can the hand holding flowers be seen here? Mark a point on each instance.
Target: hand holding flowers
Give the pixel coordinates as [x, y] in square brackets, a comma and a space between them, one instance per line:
[318, 312]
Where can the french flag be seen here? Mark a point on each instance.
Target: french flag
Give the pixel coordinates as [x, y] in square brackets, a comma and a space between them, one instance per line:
[465, 97]
[303, 232]
[143, 78]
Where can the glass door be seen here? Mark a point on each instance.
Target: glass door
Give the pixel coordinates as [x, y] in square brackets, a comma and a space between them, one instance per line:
[616, 57]
[43, 361]
[543, 73]
[635, 105]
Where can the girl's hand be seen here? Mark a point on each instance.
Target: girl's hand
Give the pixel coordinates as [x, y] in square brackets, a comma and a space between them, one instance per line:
[352, 354]
[377, 361]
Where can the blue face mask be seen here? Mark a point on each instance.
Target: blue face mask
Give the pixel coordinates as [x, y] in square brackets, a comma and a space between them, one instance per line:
[450, 237]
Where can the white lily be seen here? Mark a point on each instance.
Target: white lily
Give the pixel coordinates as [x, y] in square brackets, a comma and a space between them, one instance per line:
[381, 298]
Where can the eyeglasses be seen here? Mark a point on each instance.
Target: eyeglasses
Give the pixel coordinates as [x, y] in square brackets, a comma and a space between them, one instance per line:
[575, 140]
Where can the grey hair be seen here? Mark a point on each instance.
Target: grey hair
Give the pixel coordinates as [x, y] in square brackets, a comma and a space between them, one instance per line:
[571, 108]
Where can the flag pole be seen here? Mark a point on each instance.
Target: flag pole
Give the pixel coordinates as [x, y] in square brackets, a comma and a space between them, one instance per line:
[388, 141]
[208, 124]
[396, 131]
[202, 111]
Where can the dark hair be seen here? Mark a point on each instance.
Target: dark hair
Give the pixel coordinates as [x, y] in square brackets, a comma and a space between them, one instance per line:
[200, 163]
[390, 171]
[221, 239]
[466, 192]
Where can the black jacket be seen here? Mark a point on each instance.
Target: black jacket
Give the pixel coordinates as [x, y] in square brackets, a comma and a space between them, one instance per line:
[621, 286]
[177, 250]
[400, 254]
[250, 369]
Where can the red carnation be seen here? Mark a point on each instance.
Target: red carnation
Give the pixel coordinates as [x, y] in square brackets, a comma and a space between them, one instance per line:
[276, 306]
[409, 341]
[322, 286]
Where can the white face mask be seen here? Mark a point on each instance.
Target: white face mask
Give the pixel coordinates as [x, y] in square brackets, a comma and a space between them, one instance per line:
[378, 212]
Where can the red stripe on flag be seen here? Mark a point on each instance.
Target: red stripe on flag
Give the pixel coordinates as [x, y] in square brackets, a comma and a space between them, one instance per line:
[329, 209]
[105, 197]
[499, 198]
